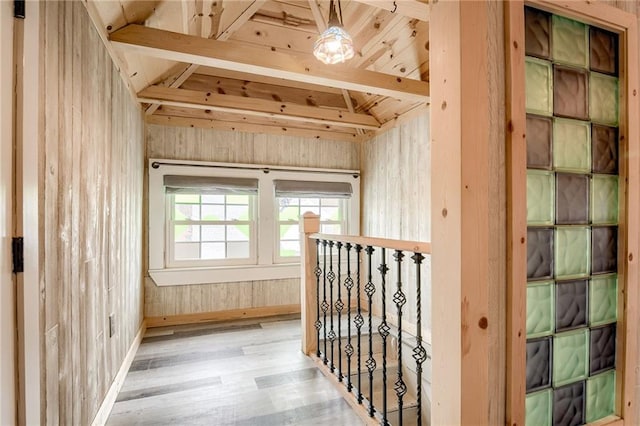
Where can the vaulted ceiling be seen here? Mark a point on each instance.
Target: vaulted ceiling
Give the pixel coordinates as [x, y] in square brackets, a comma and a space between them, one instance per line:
[248, 65]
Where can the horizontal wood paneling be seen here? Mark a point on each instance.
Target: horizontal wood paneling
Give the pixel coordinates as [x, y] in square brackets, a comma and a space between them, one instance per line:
[183, 143]
[92, 202]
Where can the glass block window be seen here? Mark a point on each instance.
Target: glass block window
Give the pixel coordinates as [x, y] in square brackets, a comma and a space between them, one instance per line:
[571, 74]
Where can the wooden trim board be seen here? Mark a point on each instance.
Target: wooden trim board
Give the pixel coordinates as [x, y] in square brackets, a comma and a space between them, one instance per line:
[107, 404]
[516, 213]
[233, 314]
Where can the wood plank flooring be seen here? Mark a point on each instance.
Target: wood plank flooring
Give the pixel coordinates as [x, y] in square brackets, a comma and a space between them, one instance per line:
[238, 373]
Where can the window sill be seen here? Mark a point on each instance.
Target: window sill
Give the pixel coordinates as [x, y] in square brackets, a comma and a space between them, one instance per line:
[223, 274]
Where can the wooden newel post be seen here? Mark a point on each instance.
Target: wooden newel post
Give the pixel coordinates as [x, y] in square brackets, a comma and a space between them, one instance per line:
[309, 224]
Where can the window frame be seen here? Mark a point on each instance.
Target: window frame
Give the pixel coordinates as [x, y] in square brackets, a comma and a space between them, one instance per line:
[344, 224]
[265, 265]
[625, 25]
[172, 262]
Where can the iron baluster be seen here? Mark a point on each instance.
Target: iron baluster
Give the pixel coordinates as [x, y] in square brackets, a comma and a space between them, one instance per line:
[339, 306]
[419, 353]
[399, 299]
[369, 290]
[325, 305]
[331, 276]
[348, 284]
[383, 329]
[318, 272]
[359, 321]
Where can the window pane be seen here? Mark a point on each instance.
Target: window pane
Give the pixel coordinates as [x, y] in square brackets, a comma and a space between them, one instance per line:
[212, 251]
[186, 233]
[187, 198]
[334, 228]
[237, 199]
[187, 212]
[289, 232]
[238, 212]
[289, 248]
[330, 202]
[212, 232]
[310, 201]
[237, 232]
[212, 212]
[289, 213]
[284, 202]
[213, 199]
[183, 251]
[330, 213]
[237, 250]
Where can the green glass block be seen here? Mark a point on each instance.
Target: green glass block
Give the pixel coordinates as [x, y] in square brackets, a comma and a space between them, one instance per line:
[571, 145]
[540, 197]
[604, 199]
[539, 84]
[572, 251]
[538, 408]
[603, 299]
[540, 309]
[570, 357]
[601, 396]
[603, 99]
[569, 41]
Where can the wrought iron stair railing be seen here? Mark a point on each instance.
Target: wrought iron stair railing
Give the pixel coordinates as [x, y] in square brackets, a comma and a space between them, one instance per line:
[354, 299]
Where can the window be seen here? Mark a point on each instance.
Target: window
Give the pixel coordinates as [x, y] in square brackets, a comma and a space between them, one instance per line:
[214, 222]
[210, 220]
[210, 228]
[294, 198]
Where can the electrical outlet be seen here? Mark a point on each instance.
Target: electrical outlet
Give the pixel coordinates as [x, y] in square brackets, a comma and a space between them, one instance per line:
[112, 325]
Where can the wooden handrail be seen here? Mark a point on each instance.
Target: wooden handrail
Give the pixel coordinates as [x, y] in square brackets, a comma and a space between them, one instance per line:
[412, 246]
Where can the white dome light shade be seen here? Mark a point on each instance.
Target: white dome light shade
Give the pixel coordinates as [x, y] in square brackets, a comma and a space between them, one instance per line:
[333, 46]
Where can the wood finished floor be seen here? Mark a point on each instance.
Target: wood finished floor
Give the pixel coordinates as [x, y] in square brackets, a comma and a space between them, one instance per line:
[239, 373]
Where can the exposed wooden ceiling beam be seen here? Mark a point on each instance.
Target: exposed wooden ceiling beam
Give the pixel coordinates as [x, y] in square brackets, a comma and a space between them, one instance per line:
[250, 128]
[253, 60]
[236, 22]
[256, 107]
[413, 9]
[239, 20]
[220, 73]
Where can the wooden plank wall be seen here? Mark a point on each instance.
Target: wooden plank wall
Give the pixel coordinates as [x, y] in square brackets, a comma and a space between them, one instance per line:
[91, 248]
[396, 194]
[186, 143]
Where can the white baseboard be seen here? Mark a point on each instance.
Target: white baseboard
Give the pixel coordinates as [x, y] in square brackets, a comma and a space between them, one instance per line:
[107, 404]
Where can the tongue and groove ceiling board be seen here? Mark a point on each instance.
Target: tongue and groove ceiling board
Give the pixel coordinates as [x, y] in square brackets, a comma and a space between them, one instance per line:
[247, 65]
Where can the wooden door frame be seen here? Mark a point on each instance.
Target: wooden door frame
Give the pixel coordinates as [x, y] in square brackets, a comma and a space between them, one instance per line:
[625, 24]
[28, 41]
[8, 405]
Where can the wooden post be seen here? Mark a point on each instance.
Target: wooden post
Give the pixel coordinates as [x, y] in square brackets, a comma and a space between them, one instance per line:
[309, 224]
[468, 221]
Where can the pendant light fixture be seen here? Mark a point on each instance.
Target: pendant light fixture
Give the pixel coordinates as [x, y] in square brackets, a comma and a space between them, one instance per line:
[334, 45]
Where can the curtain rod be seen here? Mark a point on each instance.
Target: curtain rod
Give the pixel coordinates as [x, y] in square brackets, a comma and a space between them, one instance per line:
[157, 164]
